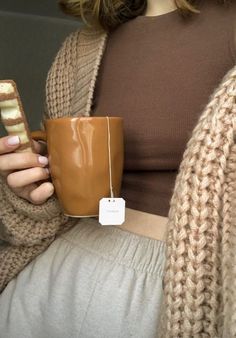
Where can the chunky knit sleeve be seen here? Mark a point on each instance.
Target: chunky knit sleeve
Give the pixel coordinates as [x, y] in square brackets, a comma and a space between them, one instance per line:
[233, 20]
[234, 32]
[23, 223]
[27, 229]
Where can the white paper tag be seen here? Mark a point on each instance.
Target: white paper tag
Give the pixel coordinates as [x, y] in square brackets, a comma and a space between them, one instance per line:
[111, 211]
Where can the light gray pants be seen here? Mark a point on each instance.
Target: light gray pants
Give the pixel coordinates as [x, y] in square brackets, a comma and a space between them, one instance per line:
[92, 282]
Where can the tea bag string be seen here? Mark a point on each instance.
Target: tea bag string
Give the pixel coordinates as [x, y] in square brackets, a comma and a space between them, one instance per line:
[109, 156]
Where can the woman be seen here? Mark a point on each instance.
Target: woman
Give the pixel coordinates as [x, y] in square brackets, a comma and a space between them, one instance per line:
[157, 68]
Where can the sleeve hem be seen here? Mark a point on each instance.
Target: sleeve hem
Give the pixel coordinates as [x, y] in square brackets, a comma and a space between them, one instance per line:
[46, 211]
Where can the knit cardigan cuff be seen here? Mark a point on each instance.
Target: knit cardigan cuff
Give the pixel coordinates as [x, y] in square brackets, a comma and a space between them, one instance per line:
[44, 211]
[24, 223]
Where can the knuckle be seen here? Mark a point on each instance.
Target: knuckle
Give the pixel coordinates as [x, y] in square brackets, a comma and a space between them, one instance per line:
[26, 159]
[34, 197]
[40, 173]
[41, 194]
[11, 180]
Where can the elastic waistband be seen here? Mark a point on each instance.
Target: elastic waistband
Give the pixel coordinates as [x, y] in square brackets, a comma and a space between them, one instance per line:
[114, 244]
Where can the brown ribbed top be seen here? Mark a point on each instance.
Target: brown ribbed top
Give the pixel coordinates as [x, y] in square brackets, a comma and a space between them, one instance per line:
[158, 73]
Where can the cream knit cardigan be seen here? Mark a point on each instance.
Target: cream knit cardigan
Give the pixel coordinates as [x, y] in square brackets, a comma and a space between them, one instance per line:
[200, 276]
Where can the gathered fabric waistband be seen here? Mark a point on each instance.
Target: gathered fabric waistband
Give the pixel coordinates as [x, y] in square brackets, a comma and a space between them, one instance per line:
[138, 252]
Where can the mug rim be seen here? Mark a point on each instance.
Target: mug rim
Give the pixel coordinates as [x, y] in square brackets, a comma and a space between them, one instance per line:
[84, 118]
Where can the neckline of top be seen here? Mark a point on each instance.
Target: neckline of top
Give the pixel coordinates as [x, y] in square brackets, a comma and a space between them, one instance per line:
[156, 17]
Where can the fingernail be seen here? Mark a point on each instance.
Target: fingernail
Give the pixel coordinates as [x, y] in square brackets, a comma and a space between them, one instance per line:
[43, 160]
[47, 171]
[13, 140]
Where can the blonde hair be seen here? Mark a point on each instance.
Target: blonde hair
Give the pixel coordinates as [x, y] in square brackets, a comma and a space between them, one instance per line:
[109, 14]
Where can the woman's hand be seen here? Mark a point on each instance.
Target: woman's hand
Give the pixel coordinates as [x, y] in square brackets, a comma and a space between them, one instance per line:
[24, 171]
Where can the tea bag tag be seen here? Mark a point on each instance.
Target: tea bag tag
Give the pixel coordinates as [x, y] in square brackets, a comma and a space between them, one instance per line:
[111, 211]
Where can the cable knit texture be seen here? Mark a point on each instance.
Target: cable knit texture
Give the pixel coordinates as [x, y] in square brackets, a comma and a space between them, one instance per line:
[200, 273]
[199, 284]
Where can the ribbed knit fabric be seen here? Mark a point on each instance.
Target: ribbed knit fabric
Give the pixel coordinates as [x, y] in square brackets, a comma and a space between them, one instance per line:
[200, 273]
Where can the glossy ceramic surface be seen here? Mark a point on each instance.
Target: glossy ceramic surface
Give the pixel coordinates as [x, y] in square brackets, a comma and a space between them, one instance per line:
[79, 161]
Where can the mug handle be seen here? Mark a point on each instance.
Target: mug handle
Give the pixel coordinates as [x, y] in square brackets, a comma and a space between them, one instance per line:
[39, 135]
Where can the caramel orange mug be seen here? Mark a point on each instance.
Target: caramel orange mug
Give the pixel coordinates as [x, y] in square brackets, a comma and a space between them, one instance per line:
[82, 153]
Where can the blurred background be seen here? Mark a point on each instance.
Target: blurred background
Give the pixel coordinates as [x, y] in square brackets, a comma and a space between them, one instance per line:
[42, 7]
[31, 32]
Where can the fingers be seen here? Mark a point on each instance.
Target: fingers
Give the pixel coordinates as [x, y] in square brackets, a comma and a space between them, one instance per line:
[35, 194]
[9, 144]
[22, 178]
[24, 184]
[41, 194]
[18, 161]
[24, 171]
